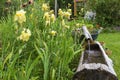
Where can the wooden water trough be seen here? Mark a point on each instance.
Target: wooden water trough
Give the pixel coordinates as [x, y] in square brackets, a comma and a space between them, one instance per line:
[94, 63]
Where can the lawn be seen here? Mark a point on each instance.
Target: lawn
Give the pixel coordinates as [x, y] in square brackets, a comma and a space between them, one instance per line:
[112, 42]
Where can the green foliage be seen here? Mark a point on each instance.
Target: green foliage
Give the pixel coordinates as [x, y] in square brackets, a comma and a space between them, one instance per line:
[43, 56]
[1, 7]
[61, 3]
[107, 12]
[8, 7]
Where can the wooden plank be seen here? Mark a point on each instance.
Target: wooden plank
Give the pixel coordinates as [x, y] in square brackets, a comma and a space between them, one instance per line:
[76, 7]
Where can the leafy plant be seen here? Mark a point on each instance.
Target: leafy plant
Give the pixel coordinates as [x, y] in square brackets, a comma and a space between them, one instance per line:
[47, 52]
[107, 11]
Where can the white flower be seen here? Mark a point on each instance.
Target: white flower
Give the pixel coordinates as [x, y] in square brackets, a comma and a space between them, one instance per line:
[90, 15]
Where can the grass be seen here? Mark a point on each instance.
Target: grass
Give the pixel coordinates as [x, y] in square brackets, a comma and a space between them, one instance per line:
[112, 42]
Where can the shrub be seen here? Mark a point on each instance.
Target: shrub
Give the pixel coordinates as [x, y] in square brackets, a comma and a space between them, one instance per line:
[107, 11]
[1, 7]
[8, 7]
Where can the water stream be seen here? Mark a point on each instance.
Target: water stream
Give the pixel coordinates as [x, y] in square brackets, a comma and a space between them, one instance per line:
[89, 46]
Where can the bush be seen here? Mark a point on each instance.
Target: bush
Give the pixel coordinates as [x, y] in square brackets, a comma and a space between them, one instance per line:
[1, 7]
[61, 3]
[8, 7]
[107, 11]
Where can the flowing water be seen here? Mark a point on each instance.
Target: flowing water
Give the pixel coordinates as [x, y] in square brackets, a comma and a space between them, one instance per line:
[88, 46]
[89, 51]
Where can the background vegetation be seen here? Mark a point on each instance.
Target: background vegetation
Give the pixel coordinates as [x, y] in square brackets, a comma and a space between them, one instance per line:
[107, 12]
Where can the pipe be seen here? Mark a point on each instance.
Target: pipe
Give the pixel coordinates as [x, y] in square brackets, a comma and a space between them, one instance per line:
[86, 33]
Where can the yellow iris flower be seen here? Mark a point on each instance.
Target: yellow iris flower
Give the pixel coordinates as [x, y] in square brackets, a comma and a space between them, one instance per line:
[67, 15]
[51, 12]
[46, 16]
[63, 22]
[47, 23]
[69, 10]
[53, 33]
[20, 16]
[49, 18]
[53, 18]
[45, 7]
[69, 5]
[25, 35]
[66, 26]
[82, 9]
[60, 12]
[77, 25]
